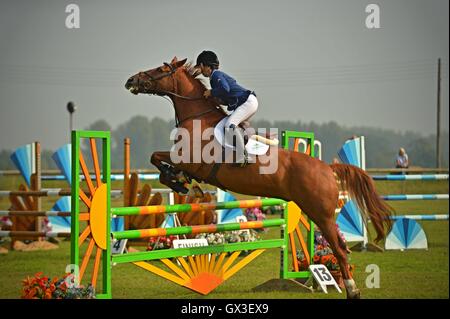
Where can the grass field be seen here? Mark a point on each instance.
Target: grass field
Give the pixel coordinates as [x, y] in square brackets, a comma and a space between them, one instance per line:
[408, 274]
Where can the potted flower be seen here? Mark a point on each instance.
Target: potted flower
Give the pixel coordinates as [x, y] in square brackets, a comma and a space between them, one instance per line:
[323, 254]
[42, 287]
[236, 236]
[162, 242]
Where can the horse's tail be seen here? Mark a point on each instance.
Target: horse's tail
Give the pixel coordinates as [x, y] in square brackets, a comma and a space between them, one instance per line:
[361, 187]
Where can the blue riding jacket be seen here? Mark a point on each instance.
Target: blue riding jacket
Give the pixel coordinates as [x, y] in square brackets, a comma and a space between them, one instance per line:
[228, 90]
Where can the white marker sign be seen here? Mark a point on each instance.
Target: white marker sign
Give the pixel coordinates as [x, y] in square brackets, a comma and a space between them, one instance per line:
[323, 277]
[118, 246]
[189, 243]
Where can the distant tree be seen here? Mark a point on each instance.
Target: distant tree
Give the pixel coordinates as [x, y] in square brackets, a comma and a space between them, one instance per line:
[149, 135]
[422, 151]
[99, 125]
[5, 160]
[47, 161]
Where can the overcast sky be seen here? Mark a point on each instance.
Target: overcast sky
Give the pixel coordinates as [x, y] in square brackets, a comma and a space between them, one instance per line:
[306, 60]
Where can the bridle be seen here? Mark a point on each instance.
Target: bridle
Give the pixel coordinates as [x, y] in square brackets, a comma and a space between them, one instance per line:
[162, 76]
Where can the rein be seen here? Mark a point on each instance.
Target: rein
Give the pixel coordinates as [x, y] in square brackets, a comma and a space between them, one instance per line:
[181, 96]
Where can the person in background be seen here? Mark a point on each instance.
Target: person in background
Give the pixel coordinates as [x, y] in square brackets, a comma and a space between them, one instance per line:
[402, 160]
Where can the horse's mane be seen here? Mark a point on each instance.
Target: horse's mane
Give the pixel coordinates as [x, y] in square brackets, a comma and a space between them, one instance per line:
[193, 73]
[191, 70]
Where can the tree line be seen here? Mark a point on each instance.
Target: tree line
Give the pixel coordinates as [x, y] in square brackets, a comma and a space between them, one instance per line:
[149, 135]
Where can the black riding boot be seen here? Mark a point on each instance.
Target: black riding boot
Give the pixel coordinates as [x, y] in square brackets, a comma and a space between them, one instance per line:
[235, 136]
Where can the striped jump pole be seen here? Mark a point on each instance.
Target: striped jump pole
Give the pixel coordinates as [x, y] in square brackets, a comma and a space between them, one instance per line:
[198, 229]
[183, 208]
[62, 192]
[114, 177]
[10, 213]
[41, 193]
[416, 177]
[415, 197]
[7, 233]
[409, 197]
[47, 192]
[200, 269]
[435, 217]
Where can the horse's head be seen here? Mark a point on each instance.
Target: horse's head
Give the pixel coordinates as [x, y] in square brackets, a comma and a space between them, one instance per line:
[159, 80]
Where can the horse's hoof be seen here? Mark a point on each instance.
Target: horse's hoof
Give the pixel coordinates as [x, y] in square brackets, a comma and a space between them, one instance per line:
[355, 294]
[180, 189]
[197, 192]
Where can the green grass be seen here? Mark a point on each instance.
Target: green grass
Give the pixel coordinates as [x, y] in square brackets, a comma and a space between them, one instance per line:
[407, 274]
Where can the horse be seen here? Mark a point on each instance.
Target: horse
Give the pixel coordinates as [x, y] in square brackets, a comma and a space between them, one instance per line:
[311, 183]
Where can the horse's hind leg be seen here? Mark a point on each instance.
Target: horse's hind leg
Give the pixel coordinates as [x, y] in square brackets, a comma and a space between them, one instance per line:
[330, 232]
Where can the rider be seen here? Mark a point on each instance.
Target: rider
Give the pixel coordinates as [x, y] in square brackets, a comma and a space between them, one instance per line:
[241, 101]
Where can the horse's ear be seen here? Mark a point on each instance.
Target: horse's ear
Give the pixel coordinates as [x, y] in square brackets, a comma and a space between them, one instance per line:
[174, 60]
[177, 64]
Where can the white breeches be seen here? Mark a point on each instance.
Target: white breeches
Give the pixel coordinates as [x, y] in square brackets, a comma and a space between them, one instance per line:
[243, 112]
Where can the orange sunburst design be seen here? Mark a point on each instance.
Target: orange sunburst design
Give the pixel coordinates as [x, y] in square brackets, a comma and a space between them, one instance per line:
[95, 200]
[295, 218]
[201, 273]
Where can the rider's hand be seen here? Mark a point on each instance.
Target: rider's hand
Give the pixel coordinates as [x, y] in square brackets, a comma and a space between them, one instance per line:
[207, 94]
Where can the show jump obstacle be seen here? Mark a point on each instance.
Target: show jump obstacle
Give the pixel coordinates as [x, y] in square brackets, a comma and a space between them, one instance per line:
[205, 267]
[29, 222]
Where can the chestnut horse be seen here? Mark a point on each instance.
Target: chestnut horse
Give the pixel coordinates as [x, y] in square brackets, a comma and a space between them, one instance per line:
[310, 183]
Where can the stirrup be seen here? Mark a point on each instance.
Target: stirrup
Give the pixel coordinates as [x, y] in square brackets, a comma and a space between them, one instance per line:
[245, 162]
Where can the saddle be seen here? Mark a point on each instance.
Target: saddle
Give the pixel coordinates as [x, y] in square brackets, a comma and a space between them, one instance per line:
[255, 144]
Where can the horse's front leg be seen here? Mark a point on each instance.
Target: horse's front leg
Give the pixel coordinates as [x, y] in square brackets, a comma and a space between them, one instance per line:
[162, 161]
[168, 173]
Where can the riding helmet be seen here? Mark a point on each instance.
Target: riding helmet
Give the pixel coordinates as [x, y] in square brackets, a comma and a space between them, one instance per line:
[208, 58]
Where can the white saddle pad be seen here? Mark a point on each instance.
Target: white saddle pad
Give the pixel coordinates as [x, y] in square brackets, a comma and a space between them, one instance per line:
[253, 146]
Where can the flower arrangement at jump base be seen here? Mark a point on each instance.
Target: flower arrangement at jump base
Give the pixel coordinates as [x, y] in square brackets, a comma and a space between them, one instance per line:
[163, 242]
[42, 287]
[323, 254]
[236, 236]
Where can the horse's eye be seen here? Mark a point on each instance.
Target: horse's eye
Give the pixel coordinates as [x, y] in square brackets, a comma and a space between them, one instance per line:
[159, 69]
